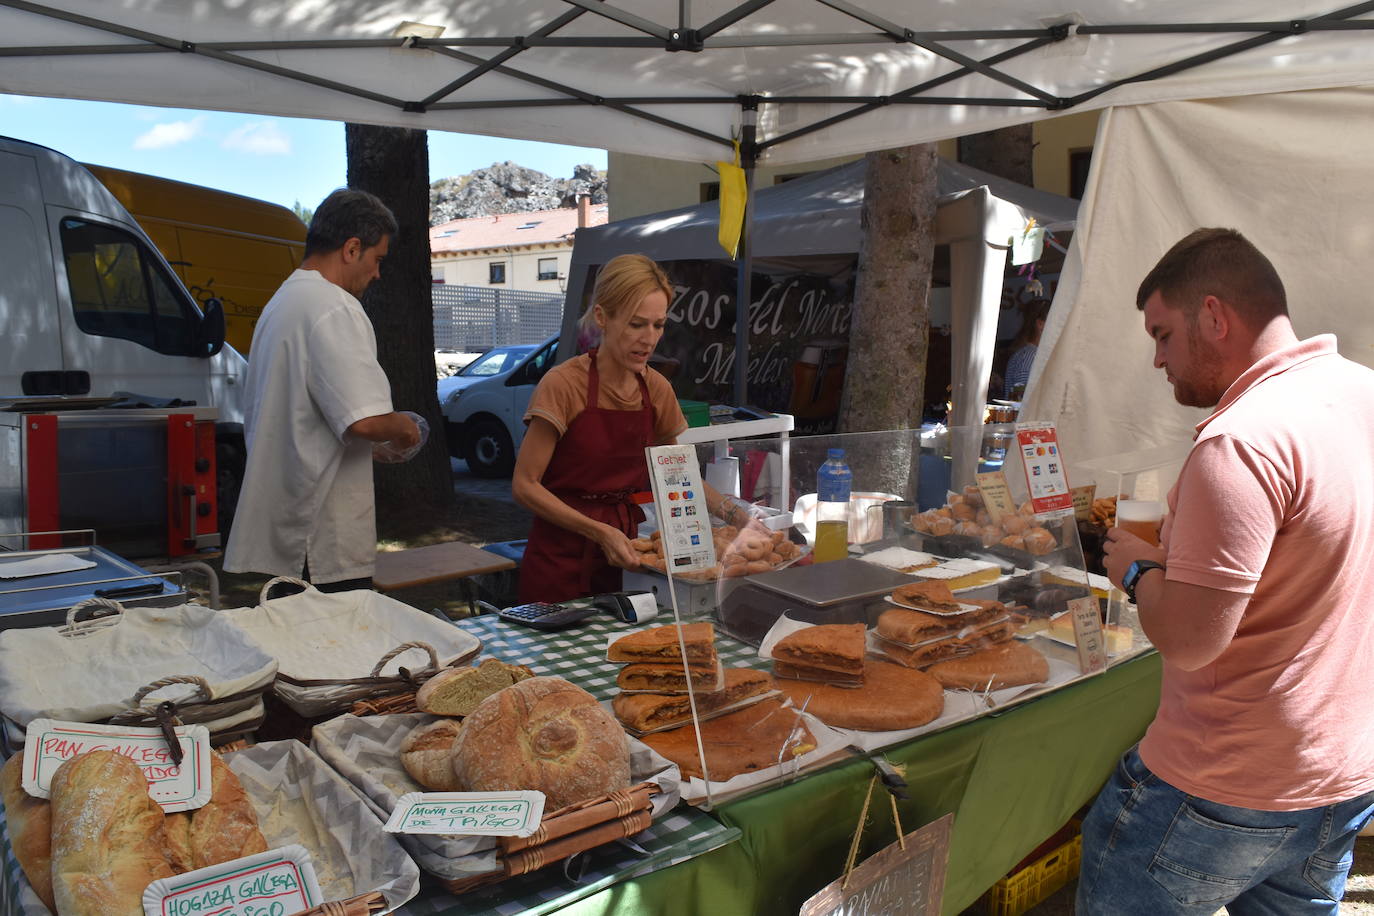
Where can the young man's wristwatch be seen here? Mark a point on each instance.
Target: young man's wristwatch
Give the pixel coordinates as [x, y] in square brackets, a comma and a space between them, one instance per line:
[1133, 574]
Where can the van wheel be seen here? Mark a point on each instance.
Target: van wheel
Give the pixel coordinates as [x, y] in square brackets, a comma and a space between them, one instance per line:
[230, 459]
[489, 451]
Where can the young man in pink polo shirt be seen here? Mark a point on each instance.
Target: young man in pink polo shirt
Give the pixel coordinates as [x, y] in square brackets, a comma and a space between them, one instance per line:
[1257, 773]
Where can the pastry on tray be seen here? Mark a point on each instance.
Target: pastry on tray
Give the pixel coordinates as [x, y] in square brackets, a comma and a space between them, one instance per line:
[660, 644]
[930, 596]
[669, 678]
[752, 739]
[646, 711]
[833, 647]
[892, 697]
[1010, 664]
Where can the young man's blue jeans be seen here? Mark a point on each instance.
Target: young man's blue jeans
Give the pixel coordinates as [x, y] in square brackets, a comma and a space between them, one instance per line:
[1150, 849]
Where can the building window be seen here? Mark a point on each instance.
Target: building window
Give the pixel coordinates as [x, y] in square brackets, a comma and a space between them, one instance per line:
[496, 272]
[436, 275]
[548, 268]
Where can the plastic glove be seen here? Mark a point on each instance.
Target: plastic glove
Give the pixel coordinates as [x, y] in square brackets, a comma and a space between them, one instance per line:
[385, 453]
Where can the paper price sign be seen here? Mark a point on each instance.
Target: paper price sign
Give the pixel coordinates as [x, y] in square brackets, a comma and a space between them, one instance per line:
[996, 495]
[1083, 501]
[270, 883]
[1044, 466]
[1087, 633]
[50, 743]
[680, 503]
[468, 813]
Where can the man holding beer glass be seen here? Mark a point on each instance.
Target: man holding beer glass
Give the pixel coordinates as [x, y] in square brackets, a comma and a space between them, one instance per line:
[1257, 773]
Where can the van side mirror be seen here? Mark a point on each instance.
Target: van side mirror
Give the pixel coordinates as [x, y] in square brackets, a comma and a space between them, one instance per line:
[210, 331]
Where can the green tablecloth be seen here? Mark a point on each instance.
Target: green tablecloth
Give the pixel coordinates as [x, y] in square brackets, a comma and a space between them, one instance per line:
[1011, 780]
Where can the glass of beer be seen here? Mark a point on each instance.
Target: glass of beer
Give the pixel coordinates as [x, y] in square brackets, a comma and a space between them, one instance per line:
[1141, 517]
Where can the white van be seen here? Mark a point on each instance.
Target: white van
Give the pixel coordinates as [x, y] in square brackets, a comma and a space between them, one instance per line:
[88, 306]
[484, 405]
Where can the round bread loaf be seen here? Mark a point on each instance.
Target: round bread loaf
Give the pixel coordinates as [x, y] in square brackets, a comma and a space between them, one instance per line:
[427, 755]
[545, 734]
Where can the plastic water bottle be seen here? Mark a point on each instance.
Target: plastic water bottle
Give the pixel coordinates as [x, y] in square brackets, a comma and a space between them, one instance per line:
[833, 482]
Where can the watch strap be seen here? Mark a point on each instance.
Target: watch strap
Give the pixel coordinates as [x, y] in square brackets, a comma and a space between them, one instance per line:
[1133, 575]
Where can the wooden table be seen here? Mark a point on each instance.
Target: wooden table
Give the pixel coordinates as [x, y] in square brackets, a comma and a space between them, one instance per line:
[398, 569]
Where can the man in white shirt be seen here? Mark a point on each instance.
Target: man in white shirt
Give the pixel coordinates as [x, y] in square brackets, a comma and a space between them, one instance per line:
[317, 401]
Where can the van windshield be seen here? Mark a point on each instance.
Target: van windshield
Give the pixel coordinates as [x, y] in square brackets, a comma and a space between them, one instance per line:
[496, 361]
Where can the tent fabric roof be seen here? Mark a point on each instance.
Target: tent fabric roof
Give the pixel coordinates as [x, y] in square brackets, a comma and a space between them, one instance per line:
[830, 77]
[814, 215]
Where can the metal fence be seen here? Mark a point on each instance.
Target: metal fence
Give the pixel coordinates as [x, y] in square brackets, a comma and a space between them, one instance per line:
[472, 318]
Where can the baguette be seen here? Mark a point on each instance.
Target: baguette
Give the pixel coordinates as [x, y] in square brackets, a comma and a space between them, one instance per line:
[30, 826]
[107, 835]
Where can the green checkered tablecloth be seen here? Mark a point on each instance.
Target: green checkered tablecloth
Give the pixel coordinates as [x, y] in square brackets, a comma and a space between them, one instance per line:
[579, 655]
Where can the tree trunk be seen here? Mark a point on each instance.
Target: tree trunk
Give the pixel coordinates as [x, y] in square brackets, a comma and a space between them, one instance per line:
[886, 368]
[1006, 152]
[393, 163]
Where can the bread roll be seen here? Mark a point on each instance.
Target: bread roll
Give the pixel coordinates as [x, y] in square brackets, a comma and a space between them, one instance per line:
[544, 734]
[106, 837]
[30, 826]
[427, 755]
[226, 827]
[457, 691]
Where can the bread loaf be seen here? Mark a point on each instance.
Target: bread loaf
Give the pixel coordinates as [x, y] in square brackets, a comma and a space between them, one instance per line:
[30, 827]
[226, 827]
[457, 691]
[106, 837]
[176, 841]
[546, 734]
[427, 755]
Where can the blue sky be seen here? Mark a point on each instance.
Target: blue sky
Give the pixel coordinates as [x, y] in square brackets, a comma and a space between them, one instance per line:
[278, 159]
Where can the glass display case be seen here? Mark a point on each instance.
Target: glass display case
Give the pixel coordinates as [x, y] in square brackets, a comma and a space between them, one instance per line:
[955, 595]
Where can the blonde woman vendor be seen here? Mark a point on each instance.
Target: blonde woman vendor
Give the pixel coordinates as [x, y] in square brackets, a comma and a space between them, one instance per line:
[589, 421]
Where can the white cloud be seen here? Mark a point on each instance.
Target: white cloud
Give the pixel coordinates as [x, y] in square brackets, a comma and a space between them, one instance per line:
[262, 138]
[170, 133]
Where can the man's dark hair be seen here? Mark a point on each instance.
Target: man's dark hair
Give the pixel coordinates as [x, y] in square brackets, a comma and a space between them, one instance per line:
[347, 214]
[1221, 263]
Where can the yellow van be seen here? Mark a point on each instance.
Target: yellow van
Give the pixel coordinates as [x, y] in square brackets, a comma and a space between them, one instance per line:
[235, 249]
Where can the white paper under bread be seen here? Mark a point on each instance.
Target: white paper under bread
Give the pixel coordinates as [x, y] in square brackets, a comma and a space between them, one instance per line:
[43, 566]
[899, 557]
[318, 636]
[300, 799]
[367, 752]
[146, 644]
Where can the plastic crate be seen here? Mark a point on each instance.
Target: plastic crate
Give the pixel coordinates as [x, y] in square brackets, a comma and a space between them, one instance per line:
[1028, 886]
[698, 413]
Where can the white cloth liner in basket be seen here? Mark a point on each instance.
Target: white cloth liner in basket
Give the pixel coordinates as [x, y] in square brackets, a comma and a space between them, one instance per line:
[94, 670]
[335, 649]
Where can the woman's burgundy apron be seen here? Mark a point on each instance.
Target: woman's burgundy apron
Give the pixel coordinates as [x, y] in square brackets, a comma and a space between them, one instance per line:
[596, 468]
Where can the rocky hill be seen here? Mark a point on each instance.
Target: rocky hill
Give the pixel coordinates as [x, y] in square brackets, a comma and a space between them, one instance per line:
[509, 188]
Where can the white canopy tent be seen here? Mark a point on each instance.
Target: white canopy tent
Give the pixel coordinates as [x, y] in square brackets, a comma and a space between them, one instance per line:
[672, 77]
[819, 215]
[1289, 170]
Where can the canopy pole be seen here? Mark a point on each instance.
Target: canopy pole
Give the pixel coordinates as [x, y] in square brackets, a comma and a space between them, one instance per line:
[748, 155]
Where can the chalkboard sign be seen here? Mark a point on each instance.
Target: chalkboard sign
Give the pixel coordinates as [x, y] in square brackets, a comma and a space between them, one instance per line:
[910, 881]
